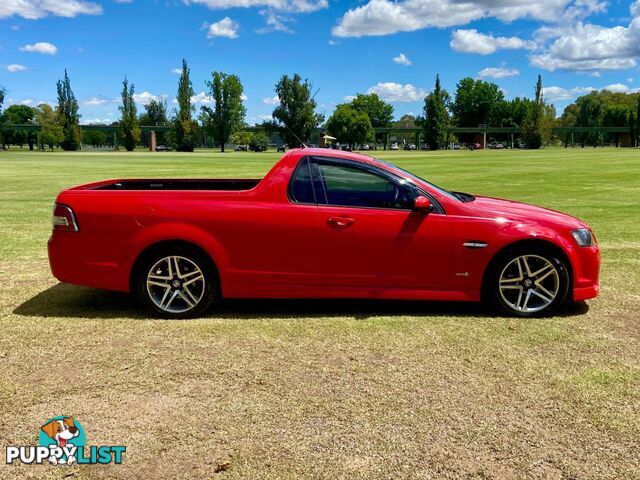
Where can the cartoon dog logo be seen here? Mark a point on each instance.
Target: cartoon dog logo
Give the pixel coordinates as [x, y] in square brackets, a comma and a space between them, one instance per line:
[61, 431]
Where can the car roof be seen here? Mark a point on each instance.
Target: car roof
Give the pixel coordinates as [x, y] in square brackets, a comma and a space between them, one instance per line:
[329, 152]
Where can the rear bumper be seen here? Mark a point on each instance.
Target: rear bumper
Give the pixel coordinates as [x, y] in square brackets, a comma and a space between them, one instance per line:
[586, 273]
[70, 262]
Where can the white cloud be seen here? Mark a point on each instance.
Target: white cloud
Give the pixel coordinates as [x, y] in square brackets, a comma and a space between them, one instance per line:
[472, 41]
[397, 92]
[177, 71]
[294, 6]
[559, 93]
[402, 59]
[498, 72]
[226, 28]
[589, 47]
[348, 98]
[145, 98]
[201, 98]
[271, 100]
[41, 47]
[383, 17]
[94, 102]
[333, 42]
[620, 88]
[244, 97]
[14, 67]
[97, 121]
[264, 117]
[34, 9]
[275, 22]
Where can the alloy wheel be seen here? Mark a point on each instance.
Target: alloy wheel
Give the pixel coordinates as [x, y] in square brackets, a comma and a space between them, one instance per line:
[529, 283]
[175, 284]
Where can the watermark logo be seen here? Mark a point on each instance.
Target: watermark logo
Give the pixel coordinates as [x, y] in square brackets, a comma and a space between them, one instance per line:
[62, 440]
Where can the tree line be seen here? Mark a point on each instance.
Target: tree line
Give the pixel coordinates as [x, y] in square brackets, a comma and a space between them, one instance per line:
[474, 103]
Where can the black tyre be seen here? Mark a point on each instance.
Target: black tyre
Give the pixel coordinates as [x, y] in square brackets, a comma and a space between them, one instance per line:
[528, 282]
[176, 282]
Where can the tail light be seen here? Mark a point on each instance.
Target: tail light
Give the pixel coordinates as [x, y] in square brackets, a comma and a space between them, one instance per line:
[63, 219]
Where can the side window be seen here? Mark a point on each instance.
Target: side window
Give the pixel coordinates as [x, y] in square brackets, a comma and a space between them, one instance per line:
[301, 189]
[354, 187]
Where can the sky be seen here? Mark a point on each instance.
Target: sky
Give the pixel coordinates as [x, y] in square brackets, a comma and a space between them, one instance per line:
[344, 47]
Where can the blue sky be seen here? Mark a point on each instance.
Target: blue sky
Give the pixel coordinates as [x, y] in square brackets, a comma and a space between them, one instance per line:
[342, 47]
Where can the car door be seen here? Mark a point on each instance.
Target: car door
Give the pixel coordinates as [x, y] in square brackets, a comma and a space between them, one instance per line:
[273, 244]
[371, 236]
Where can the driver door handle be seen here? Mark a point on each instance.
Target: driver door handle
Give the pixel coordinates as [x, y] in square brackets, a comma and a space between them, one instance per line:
[340, 222]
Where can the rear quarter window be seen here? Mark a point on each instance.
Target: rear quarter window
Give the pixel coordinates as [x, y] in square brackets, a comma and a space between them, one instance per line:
[301, 188]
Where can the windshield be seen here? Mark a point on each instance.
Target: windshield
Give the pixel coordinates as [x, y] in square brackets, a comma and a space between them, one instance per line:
[415, 178]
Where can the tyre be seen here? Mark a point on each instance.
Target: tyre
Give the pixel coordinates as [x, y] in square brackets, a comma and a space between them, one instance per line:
[176, 282]
[529, 282]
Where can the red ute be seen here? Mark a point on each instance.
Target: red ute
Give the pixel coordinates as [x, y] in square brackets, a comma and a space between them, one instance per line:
[321, 224]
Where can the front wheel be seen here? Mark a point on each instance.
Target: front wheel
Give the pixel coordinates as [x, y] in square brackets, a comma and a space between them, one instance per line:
[176, 283]
[528, 283]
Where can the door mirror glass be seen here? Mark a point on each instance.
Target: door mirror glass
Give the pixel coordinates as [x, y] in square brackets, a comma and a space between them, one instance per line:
[422, 204]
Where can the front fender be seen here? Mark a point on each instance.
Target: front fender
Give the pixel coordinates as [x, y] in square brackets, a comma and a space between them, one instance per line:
[470, 264]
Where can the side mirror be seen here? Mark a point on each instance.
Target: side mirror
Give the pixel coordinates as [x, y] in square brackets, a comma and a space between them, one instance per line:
[422, 204]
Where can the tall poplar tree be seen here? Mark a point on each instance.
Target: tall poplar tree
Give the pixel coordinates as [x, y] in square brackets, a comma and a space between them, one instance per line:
[184, 128]
[128, 128]
[436, 117]
[67, 111]
[536, 127]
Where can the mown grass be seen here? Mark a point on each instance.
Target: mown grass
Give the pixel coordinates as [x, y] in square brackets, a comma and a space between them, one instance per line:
[349, 389]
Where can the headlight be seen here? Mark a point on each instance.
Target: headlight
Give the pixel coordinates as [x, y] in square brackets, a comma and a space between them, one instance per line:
[583, 237]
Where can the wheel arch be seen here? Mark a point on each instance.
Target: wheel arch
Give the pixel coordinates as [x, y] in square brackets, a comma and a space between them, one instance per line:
[536, 244]
[164, 244]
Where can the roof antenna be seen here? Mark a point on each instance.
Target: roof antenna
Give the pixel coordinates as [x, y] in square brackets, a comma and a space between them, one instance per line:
[304, 145]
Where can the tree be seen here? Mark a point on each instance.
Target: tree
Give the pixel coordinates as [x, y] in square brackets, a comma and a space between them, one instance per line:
[536, 128]
[227, 115]
[128, 127]
[259, 142]
[436, 116]
[295, 114]
[406, 121]
[380, 113]
[242, 137]
[155, 114]
[184, 128]
[19, 114]
[2, 94]
[67, 111]
[637, 135]
[476, 102]
[349, 125]
[95, 138]
[51, 133]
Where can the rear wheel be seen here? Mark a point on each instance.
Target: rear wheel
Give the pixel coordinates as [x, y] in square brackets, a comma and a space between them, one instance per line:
[176, 283]
[529, 283]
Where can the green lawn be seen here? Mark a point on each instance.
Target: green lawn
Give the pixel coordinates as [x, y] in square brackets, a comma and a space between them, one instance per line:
[347, 389]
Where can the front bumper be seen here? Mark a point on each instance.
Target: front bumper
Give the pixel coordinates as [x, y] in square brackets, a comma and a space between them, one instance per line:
[586, 273]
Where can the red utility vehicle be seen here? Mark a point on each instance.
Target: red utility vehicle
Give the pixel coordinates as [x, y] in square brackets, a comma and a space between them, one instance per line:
[321, 224]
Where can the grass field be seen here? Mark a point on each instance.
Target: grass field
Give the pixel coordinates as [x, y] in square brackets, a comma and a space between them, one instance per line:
[328, 389]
